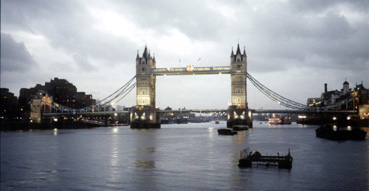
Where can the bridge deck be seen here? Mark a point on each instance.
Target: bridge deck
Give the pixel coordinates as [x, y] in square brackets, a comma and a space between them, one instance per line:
[206, 111]
[300, 111]
[85, 113]
[191, 70]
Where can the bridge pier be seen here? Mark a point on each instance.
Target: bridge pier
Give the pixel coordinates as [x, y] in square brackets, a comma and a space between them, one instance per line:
[143, 117]
[237, 116]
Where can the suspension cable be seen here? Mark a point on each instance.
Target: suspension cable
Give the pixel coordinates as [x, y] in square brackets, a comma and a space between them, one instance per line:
[290, 103]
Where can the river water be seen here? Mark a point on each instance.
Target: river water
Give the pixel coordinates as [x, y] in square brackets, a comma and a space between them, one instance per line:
[179, 157]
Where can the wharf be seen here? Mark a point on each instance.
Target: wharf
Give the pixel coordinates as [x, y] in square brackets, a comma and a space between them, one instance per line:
[248, 158]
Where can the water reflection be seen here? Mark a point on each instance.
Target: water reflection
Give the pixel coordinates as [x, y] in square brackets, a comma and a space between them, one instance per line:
[145, 164]
[115, 130]
[115, 144]
[114, 156]
[147, 149]
[211, 131]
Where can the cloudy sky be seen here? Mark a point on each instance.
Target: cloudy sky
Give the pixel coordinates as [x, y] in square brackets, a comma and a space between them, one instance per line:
[293, 47]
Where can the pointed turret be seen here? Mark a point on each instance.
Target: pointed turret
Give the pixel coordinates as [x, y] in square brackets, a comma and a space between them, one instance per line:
[145, 54]
[238, 50]
[244, 51]
[238, 56]
[138, 56]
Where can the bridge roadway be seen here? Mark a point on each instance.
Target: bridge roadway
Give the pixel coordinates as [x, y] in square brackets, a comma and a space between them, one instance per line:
[204, 111]
[190, 70]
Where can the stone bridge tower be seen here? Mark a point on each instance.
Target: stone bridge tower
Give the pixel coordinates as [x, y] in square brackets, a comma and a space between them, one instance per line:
[144, 115]
[145, 91]
[238, 113]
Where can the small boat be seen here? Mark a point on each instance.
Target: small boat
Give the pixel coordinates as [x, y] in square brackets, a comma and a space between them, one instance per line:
[334, 132]
[226, 132]
[240, 127]
[217, 121]
[279, 120]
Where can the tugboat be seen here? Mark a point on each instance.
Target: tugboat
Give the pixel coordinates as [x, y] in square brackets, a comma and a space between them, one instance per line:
[334, 132]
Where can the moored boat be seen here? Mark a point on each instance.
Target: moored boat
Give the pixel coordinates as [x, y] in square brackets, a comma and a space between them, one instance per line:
[226, 132]
[240, 127]
[334, 132]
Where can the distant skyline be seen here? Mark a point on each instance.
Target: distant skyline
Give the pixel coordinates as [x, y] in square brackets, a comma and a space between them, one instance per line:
[293, 47]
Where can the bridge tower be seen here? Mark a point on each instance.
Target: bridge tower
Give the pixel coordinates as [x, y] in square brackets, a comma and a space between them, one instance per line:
[145, 115]
[238, 112]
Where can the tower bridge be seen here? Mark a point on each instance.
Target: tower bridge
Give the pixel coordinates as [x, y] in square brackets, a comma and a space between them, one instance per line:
[146, 115]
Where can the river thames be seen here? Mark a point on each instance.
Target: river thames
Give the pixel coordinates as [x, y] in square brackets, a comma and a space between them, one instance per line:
[179, 157]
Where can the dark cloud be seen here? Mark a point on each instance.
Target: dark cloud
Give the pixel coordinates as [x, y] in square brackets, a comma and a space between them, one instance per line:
[193, 18]
[319, 6]
[66, 25]
[285, 37]
[14, 55]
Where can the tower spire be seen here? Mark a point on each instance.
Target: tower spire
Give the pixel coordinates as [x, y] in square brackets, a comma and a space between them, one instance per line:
[144, 55]
[238, 49]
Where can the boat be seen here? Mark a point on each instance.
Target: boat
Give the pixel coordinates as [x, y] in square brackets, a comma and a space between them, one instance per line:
[279, 120]
[240, 127]
[226, 132]
[217, 121]
[247, 158]
[181, 120]
[334, 132]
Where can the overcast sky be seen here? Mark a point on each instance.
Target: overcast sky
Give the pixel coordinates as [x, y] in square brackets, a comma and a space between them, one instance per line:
[293, 47]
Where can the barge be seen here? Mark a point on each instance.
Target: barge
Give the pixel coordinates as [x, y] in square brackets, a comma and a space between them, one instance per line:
[247, 158]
